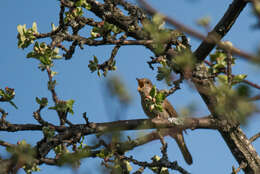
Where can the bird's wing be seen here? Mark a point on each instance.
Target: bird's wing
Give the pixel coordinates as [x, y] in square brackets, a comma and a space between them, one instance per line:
[169, 109]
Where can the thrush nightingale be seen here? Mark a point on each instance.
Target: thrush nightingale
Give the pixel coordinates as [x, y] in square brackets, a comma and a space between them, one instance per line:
[144, 88]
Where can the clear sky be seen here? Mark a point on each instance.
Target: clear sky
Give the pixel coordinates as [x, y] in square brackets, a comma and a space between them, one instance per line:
[209, 151]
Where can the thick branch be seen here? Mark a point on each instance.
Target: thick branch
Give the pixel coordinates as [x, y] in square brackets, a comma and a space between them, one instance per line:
[221, 29]
[93, 128]
[122, 125]
[213, 37]
[236, 140]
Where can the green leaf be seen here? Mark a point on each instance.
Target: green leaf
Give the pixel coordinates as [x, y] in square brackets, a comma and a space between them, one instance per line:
[98, 73]
[69, 105]
[26, 36]
[12, 103]
[95, 59]
[243, 91]
[34, 27]
[58, 150]
[160, 97]
[153, 92]
[217, 56]
[52, 108]
[128, 166]
[158, 20]
[64, 106]
[94, 34]
[43, 101]
[87, 6]
[38, 100]
[56, 50]
[53, 73]
[2, 92]
[48, 132]
[20, 28]
[223, 78]
[158, 107]
[105, 72]
[238, 78]
[219, 66]
[204, 22]
[53, 27]
[51, 84]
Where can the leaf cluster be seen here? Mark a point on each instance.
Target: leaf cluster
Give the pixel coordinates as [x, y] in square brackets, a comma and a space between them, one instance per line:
[233, 103]
[107, 66]
[155, 100]
[219, 61]
[158, 33]
[24, 154]
[8, 95]
[105, 29]
[64, 106]
[44, 54]
[26, 36]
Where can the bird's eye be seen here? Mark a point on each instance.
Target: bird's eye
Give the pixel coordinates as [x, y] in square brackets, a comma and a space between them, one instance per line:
[147, 82]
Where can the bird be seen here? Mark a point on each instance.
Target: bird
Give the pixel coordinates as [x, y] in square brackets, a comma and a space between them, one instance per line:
[144, 88]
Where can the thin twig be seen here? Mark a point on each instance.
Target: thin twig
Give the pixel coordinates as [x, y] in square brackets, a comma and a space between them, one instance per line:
[253, 138]
[170, 165]
[53, 92]
[254, 85]
[241, 166]
[255, 98]
[255, 5]
[91, 42]
[5, 144]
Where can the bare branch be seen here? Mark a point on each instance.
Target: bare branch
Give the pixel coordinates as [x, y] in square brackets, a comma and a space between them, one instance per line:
[5, 144]
[253, 138]
[171, 165]
[257, 97]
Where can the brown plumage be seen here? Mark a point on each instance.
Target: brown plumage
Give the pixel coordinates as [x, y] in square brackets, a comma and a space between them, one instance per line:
[144, 88]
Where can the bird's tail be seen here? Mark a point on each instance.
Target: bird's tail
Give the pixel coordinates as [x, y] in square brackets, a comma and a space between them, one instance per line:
[184, 150]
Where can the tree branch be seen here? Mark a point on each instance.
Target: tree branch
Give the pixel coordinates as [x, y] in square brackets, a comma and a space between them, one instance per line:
[235, 138]
[93, 128]
[253, 138]
[214, 36]
[221, 29]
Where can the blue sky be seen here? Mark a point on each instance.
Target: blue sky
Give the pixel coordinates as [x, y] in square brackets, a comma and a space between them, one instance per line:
[209, 151]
